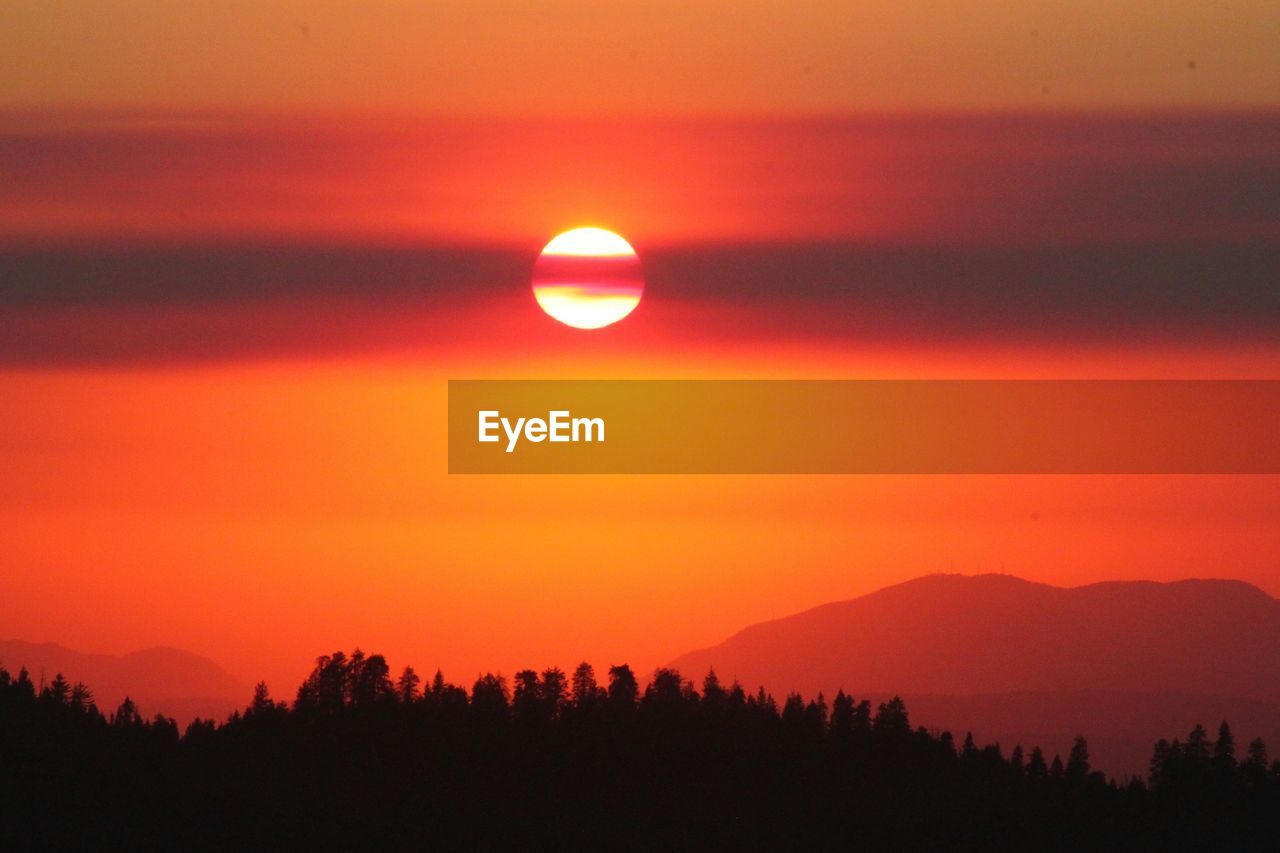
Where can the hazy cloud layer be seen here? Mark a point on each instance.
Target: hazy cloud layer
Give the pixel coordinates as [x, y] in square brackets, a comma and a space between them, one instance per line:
[123, 240]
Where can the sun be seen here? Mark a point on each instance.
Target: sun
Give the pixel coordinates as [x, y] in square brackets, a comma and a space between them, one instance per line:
[588, 278]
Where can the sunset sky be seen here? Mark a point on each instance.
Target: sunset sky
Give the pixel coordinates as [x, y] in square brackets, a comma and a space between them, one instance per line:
[243, 246]
[582, 57]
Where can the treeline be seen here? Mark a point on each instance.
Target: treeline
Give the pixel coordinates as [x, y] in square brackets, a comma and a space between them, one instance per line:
[363, 760]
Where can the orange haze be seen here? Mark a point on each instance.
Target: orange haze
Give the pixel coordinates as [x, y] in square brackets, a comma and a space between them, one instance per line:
[225, 336]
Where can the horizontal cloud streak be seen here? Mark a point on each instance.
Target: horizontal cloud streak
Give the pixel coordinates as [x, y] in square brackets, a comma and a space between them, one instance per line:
[991, 180]
[123, 241]
[124, 305]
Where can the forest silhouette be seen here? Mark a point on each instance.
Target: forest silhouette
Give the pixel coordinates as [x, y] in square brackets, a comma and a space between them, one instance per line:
[363, 759]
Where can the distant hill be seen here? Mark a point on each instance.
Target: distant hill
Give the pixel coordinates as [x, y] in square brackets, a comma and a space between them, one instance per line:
[160, 680]
[1120, 662]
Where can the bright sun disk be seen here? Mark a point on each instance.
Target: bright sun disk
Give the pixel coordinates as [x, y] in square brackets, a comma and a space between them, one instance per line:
[588, 278]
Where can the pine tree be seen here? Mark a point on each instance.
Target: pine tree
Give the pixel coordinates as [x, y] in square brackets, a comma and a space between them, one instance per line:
[1224, 748]
[623, 688]
[407, 686]
[126, 716]
[489, 697]
[554, 691]
[261, 703]
[1197, 746]
[1258, 753]
[842, 714]
[1078, 760]
[586, 692]
[713, 694]
[81, 696]
[891, 718]
[526, 699]
[1036, 768]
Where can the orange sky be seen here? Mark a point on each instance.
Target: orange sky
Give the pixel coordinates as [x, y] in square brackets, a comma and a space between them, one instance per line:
[225, 329]
[263, 512]
[581, 57]
[224, 426]
[223, 380]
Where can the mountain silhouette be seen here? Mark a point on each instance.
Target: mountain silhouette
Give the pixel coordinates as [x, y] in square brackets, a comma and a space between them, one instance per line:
[1018, 661]
[160, 680]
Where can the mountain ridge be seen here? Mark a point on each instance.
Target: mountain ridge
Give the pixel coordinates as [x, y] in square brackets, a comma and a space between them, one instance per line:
[988, 633]
[159, 679]
[1122, 662]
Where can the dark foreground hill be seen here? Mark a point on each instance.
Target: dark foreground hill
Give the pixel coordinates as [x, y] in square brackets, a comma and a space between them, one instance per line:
[361, 762]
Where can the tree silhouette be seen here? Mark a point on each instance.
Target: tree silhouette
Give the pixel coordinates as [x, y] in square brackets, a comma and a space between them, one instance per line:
[623, 688]
[891, 718]
[713, 694]
[81, 696]
[526, 698]
[1078, 760]
[126, 716]
[968, 749]
[59, 690]
[358, 762]
[407, 686]
[370, 680]
[554, 690]
[1016, 760]
[587, 694]
[261, 703]
[489, 698]
[1224, 748]
[1036, 768]
[1197, 746]
[665, 690]
[1257, 753]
